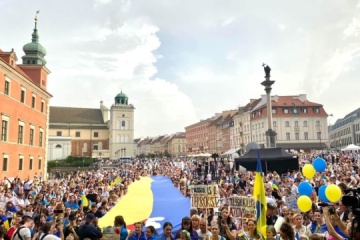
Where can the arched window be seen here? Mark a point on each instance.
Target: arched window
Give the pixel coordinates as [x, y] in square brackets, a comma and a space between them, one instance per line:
[58, 146]
[123, 124]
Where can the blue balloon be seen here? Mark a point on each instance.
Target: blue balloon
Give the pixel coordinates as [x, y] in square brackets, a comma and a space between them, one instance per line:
[305, 188]
[319, 164]
[322, 194]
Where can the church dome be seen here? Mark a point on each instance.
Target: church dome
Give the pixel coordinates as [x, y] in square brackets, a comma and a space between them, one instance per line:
[121, 98]
[34, 51]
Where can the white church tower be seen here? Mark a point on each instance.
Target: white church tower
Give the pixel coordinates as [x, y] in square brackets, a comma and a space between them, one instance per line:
[121, 128]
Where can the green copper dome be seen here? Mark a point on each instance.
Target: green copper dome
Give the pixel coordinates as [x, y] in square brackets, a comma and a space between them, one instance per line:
[34, 51]
[121, 98]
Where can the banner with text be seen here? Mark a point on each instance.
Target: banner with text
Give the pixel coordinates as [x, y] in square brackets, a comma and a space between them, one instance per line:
[205, 196]
[243, 207]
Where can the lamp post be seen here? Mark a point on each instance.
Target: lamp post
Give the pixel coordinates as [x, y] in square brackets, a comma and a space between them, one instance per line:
[83, 162]
[270, 133]
[124, 152]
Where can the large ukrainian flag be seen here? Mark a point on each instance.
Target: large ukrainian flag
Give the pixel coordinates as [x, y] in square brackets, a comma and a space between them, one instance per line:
[259, 195]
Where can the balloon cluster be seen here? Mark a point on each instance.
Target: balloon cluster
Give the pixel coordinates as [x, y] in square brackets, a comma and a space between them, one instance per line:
[329, 193]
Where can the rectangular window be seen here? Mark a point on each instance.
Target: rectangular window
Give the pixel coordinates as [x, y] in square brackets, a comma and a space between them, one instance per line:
[77, 134]
[20, 134]
[306, 135]
[21, 161]
[33, 100]
[96, 134]
[297, 137]
[42, 106]
[40, 139]
[287, 136]
[58, 133]
[287, 124]
[296, 123]
[39, 166]
[22, 97]
[31, 142]
[31, 164]
[318, 135]
[304, 110]
[5, 164]
[274, 110]
[317, 123]
[286, 110]
[7, 88]
[4, 130]
[305, 123]
[274, 124]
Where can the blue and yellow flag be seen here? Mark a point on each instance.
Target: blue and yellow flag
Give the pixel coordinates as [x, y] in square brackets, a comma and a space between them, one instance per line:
[84, 200]
[275, 185]
[259, 195]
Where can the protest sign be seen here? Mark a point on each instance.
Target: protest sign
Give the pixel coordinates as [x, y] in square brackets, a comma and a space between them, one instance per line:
[243, 207]
[205, 196]
[291, 201]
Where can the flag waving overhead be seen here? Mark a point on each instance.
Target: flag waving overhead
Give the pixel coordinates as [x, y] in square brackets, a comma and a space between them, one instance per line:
[259, 195]
[275, 185]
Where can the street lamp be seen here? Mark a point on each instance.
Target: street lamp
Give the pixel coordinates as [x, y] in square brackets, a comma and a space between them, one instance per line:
[270, 133]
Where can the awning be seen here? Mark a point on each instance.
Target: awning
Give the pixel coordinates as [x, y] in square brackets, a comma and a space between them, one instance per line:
[230, 151]
[315, 145]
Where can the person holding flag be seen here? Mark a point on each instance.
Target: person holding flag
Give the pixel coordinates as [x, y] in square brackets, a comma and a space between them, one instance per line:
[259, 195]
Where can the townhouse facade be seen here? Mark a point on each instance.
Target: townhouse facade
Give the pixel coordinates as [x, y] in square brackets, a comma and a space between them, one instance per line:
[24, 111]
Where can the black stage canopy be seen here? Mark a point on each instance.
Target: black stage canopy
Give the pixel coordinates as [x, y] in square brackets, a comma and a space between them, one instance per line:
[272, 159]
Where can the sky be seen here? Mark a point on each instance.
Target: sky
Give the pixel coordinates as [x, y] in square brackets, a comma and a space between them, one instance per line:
[181, 61]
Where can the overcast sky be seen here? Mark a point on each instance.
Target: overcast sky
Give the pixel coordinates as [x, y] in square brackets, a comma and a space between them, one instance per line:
[180, 61]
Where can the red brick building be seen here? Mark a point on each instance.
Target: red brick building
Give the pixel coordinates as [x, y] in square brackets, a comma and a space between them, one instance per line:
[24, 102]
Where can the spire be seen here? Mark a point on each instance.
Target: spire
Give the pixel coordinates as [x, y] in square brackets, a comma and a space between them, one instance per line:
[35, 35]
[34, 51]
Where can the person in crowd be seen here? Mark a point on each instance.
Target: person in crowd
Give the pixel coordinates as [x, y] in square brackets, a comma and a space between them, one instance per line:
[138, 234]
[252, 233]
[184, 235]
[23, 232]
[226, 225]
[195, 222]
[271, 233]
[72, 227]
[299, 228]
[150, 233]
[89, 230]
[203, 232]
[186, 224]
[14, 227]
[120, 224]
[167, 230]
[215, 230]
[48, 232]
[271, 214]
[287, 232]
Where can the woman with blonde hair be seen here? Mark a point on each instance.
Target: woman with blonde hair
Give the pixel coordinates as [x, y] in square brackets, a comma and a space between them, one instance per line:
[299, 228]
[215, 230]
[195, 221]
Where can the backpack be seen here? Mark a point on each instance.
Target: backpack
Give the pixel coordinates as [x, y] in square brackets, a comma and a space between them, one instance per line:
[18, 232]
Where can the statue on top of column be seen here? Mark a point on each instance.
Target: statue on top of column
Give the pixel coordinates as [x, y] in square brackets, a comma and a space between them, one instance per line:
[267, 69]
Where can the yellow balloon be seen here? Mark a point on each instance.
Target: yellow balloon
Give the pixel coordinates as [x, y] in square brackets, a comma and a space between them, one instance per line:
[304, 203]
[333, 193]
[308, 171]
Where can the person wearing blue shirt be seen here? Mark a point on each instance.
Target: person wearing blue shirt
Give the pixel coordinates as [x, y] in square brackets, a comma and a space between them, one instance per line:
[150, 233]
[137, 234]
[72, 203]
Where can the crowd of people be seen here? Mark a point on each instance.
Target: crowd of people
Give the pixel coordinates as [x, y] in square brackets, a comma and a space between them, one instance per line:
[55, 208]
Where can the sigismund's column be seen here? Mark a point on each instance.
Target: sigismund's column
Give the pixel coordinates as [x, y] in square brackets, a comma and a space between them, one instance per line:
[270, 133]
